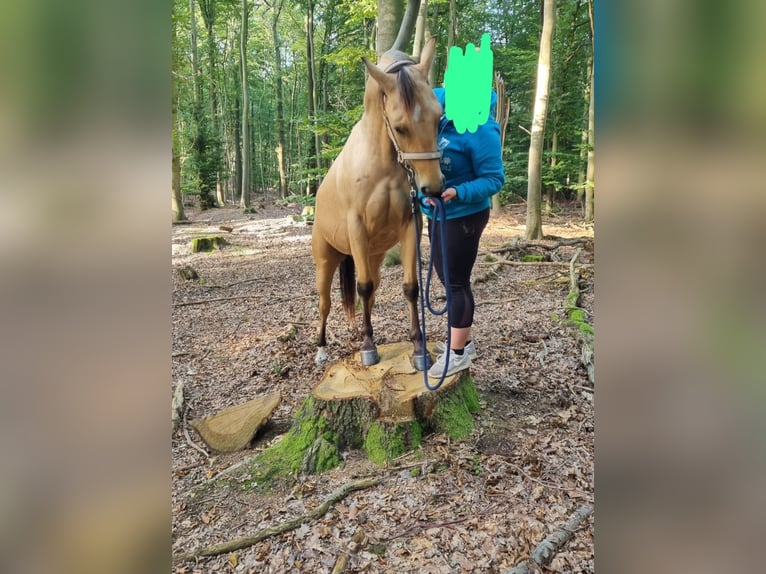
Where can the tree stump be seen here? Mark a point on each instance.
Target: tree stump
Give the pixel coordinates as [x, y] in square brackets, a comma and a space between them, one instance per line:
[207, 243]
[384, 409]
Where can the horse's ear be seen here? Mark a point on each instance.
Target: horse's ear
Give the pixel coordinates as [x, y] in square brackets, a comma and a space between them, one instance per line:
[427, 55]
[386, 81]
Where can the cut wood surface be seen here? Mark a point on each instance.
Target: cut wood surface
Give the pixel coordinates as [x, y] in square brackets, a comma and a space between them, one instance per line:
[232, 429]
[393, 383]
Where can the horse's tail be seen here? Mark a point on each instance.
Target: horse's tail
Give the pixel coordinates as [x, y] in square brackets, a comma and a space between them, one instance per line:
[347, 276]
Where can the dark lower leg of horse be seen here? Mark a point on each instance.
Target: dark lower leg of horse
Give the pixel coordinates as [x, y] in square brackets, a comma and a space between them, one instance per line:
[321, 356]
[368, 352]
[420, 358]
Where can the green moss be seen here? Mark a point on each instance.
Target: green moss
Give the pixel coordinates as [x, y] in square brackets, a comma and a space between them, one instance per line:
[310, 437]
[453, 413]
[533, 257]
[207, 243]
[576, 315]
[385, 441]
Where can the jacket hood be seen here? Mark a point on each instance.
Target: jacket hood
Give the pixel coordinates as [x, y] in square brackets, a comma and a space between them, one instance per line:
[441, 96]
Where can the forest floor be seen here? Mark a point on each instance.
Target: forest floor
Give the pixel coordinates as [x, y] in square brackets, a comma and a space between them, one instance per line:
[247, 327]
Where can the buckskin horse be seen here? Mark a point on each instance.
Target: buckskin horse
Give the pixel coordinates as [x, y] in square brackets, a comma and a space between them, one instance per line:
[363, 206]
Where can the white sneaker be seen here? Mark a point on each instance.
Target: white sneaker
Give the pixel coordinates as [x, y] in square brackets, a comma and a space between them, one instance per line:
[456, 363]
[470, 348]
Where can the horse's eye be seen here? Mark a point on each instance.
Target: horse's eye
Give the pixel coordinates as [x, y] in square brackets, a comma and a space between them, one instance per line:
[400, 130]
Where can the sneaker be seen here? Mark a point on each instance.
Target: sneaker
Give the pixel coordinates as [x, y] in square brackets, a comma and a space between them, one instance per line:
[470, 348]
[456, 363]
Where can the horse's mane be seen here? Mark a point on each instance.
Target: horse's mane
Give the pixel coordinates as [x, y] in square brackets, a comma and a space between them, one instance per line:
[400, 66]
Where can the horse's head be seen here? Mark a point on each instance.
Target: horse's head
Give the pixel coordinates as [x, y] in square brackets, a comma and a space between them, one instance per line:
[411, 113]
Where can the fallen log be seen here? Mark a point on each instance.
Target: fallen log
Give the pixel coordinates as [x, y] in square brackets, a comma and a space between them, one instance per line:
[247, 541]
[544, 552]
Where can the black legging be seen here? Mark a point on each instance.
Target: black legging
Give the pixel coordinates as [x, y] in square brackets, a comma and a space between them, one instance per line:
[463, 236]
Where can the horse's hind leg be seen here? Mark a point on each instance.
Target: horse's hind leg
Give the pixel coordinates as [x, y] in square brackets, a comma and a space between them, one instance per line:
[326, 259]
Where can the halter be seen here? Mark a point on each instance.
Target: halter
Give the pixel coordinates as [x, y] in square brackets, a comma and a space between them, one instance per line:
[402, 157]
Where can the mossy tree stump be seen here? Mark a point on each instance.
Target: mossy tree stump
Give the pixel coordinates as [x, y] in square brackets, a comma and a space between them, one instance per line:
[207, 243]
[384, 409]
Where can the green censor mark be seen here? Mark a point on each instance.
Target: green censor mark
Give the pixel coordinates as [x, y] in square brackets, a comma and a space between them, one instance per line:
[468, 85]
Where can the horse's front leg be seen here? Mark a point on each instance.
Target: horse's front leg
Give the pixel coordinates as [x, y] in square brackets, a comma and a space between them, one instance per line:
[367, 281]
[421, 360]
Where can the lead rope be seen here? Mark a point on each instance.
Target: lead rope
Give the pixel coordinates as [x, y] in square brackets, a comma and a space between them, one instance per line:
[425, 294]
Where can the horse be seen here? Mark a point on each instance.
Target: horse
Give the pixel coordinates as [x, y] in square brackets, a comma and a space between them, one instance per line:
[364, 205]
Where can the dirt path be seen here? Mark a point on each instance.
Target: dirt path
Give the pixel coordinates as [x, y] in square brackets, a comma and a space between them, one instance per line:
[477, 506]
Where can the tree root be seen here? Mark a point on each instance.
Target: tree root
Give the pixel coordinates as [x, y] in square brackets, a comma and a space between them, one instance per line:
[246, 541]
[544, 552]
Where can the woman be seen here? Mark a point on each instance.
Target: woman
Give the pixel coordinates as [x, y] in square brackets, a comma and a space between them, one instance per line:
[473, 170]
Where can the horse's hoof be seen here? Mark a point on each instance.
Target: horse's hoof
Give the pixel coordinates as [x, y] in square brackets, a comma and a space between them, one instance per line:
[422, 362]
[321, 357]
[369, 357]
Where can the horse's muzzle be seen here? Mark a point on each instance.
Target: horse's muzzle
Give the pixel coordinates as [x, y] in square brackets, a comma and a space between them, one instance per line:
[433, 191]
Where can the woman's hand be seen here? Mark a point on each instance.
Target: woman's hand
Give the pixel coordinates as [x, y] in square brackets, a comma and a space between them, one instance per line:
[447, 195]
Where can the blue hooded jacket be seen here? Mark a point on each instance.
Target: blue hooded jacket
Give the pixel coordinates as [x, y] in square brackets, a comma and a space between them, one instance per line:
[471, 163]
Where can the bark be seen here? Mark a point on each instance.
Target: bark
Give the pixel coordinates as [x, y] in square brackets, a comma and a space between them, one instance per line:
[581, 176]
[550, 196]
[420, 29]
[534, 227]
[402, 41]
[502, 112]
[208, 9]
[544, 552]
[177, 204]
[590, 174]
[389, 17]
[314, 146]
[246, 161]
[280, 149]
[589, 180]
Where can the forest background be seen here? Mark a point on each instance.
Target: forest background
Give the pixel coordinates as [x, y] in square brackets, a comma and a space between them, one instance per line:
[265, 92]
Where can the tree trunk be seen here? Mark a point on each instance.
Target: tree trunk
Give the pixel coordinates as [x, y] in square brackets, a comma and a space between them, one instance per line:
[590, 183]
[246, 161]
[313, 151]
[581, 176]
[280, 149]
[208, 8]
[420, 29]
[550, 195]
[201, 138]
[176, 203]
[502, 112]
[384, 409]
[451, 33]
[389, 17]
[404, 35]
[534, 228]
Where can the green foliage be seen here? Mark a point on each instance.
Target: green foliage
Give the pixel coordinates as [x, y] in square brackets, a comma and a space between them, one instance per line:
[393, 256]
[343, 33]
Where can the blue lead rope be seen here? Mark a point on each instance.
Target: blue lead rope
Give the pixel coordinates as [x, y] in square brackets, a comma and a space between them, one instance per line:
[439, 216]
